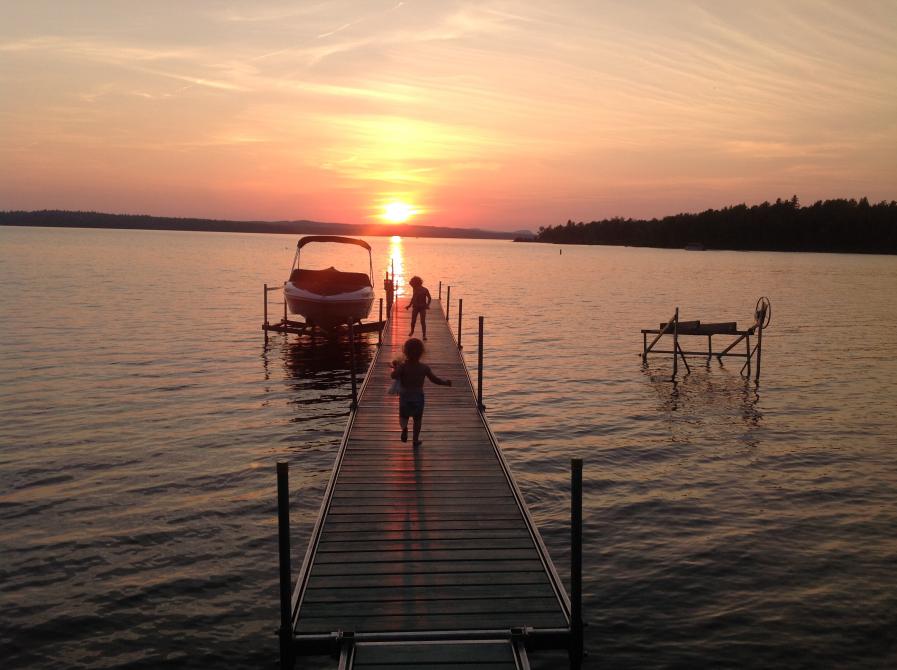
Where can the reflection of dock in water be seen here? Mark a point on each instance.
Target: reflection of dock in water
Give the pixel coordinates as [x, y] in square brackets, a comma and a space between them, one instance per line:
[425, 555]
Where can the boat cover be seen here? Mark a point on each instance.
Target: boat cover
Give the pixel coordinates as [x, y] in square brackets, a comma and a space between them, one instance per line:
[330, 281]
[332, 238]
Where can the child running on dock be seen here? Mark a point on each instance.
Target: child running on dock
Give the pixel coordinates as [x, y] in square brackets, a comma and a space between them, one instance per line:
[411, 373]
[420, 301]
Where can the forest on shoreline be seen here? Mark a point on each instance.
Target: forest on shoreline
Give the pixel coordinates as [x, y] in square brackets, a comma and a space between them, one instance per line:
[74, 219]
[853, 226]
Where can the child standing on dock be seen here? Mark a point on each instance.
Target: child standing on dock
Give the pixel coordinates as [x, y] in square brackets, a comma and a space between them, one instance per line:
[420, 301]
[411, 373]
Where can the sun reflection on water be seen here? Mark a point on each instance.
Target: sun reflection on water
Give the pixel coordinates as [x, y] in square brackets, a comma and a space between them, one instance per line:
[396, 263]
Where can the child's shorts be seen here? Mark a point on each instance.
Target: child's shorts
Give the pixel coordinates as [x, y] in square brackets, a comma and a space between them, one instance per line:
[411, 404]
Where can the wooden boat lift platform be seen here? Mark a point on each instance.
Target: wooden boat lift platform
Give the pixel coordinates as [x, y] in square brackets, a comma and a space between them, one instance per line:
[426, 555]
[676, 328]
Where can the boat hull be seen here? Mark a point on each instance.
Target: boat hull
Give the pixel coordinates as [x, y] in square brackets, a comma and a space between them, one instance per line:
[328, 311]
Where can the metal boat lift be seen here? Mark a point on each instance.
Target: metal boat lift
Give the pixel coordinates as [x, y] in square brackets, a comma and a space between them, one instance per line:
[291, 326]
[676, 328]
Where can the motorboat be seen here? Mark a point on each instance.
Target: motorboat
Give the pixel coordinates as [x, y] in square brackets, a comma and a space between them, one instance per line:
[329, 298]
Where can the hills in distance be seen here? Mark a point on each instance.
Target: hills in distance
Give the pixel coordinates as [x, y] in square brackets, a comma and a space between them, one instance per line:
[75, 219]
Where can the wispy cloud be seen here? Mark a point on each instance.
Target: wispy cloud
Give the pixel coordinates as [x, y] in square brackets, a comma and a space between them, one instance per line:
[565, 102]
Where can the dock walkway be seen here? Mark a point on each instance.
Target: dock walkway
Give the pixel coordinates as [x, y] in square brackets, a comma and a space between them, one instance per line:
[427, 550]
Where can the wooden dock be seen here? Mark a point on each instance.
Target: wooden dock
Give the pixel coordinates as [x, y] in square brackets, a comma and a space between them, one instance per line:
[424, 555]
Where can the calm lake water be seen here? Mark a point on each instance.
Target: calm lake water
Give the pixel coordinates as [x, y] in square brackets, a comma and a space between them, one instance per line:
[728, 524]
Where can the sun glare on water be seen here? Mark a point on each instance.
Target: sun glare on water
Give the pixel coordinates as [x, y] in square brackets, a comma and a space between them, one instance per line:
[397, 212]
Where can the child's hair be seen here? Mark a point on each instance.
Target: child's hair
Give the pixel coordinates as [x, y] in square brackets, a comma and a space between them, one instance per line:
[413, 349]
[416, 281]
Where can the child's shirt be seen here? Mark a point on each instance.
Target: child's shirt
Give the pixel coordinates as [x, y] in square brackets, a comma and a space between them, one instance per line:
[420, 299]
[412, 376]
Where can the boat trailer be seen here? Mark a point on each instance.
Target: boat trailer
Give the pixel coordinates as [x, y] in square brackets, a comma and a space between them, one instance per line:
[676, 328]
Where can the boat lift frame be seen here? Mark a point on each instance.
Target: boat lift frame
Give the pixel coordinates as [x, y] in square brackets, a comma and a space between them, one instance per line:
[675, 327]
[287, 325]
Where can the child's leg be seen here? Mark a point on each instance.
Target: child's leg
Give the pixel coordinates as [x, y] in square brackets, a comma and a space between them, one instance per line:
[423, 322]
[418, 422]
[403, 419]
[413, 320]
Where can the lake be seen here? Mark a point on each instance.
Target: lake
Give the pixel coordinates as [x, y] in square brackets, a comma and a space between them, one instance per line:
[727, 523]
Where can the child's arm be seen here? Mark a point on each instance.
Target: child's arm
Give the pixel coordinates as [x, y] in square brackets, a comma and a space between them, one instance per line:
[429, 298]
[396, 370]
[436, 380]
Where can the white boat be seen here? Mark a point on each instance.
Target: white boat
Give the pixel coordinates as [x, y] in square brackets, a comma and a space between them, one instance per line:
[330, 297]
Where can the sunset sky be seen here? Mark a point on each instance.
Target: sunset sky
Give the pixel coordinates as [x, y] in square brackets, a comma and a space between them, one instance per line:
[493, 114]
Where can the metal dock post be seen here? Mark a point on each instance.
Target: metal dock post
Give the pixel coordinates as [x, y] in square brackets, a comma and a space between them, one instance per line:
[283, 543]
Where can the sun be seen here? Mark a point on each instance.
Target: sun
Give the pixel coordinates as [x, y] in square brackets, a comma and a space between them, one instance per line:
[397, 212]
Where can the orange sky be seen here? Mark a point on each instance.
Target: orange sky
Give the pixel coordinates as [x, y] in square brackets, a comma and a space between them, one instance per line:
[501, 115]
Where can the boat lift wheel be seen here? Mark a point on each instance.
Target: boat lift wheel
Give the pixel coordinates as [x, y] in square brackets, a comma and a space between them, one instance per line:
[764, 309]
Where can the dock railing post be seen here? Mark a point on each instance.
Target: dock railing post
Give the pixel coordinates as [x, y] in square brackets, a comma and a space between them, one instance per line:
[759, 350]
[460, 312]
[448, 301]
[389, 287]
[352, 363]
[380, 325]
[265, 325]
[284, 309]
[480, 404]
[283, 543]
[576, 624]
[440, 291]
[675, 343]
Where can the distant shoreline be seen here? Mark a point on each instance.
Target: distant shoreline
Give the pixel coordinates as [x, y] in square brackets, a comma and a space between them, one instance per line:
[830, 226]
[73, 219]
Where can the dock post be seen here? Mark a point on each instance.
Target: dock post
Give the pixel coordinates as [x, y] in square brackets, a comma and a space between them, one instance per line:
[644, 348]
[283, 543]
[265, 326]
[448, 301]
[440, 291]
[389, 287]
[675, 343]
[480, 404]
[352, 362]
[284, 309]
[460, 312]
[759, 350]
[380, 325]
[576, 624]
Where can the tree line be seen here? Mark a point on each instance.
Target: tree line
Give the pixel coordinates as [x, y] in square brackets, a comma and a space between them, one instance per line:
[80, 219]
[829, 225]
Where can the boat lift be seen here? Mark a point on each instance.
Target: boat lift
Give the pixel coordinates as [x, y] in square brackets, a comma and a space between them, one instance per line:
[287, 325]
[677, 328]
